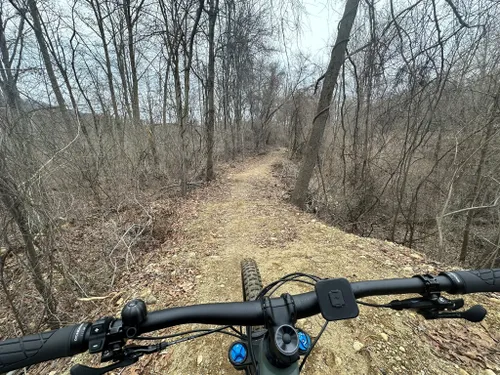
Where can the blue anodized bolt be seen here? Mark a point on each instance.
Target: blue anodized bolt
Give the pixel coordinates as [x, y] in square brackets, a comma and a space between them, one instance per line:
[304, 341]
[238, 353]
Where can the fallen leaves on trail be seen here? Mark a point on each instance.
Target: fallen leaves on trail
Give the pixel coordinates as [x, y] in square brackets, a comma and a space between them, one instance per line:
[139, 367]
[463, 343]
[276, 237]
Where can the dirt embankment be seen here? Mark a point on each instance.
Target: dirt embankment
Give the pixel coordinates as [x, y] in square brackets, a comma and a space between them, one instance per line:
[244, 215]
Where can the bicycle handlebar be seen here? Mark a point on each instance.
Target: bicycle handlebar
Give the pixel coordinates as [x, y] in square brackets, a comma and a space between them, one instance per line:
[28, 350]
[476, 281]
[68, 341]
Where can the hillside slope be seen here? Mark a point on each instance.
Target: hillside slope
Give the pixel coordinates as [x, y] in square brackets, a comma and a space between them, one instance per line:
[244, 215]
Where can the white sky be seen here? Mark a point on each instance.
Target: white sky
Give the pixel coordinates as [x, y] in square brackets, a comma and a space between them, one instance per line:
[319, 24]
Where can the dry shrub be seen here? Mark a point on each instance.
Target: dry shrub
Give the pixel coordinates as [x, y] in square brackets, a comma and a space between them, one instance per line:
[92, 212]
[286, 171]
[90, 249]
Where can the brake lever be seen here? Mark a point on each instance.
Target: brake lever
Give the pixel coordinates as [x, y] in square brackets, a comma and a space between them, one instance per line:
[139, 350]
[86, 370]
[432, 306]
[432, 302]
[130, 355]
[474, 314]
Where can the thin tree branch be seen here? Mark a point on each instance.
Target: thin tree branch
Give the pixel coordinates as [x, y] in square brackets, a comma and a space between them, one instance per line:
[459, 17]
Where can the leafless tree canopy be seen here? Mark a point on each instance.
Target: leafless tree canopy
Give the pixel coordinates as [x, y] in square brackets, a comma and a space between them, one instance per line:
[410, 153]
[105, 104]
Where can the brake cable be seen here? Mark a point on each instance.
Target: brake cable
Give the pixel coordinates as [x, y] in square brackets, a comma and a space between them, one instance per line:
[128, 355]
[435, 306]
[205, 330]
[323, 328]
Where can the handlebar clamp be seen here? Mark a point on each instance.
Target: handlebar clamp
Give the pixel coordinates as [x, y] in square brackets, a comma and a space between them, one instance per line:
[278, 312]
[431, 284]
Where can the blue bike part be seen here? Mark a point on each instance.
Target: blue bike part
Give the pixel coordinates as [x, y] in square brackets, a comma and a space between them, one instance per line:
[238, 353]
[304, 342]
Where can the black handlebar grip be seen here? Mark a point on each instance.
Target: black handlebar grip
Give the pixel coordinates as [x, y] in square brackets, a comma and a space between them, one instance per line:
[28, 350]
[477, 281]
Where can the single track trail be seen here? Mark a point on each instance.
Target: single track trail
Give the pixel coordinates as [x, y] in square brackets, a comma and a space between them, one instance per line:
[247, 217]
[244, 215]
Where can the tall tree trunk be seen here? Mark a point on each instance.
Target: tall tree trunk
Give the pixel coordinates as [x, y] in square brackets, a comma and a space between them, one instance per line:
[226, 122]
[181, 125]
[64, 73]
[212, 18]
[319, 122]
[14, 204]
[109, 74]
[121, 63]
[151, 132]
[188, 62]
[237, 119]
[8, 85]
[183, 131]
[136, 114]
[164, 104]
[37, 28]
[8, 80]
[296, 128]
[227, 67]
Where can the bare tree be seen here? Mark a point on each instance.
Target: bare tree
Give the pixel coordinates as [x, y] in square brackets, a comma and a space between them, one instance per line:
[330, 80]
[100, 19]
[36, 25]
[9, 72]
[212, 19]
[132, 11]
[179, 39]
[492, 120]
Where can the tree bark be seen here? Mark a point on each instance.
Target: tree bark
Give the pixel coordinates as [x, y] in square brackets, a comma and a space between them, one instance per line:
[8, 81]
[13, 203]
[130, 22]
[119, 46]
[319, 122]
[37, 28]
[212, 18]
[96, 7]
[151, 131]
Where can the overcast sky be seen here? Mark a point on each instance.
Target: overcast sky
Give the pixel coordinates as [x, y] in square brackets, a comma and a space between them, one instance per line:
[318, 28]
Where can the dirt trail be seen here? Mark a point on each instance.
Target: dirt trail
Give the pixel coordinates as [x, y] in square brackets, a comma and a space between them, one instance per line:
[246, 217]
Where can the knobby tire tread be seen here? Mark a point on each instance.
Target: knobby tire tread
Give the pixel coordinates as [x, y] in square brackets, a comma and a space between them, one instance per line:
[252, 285]
[251, 279]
